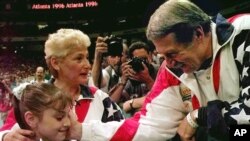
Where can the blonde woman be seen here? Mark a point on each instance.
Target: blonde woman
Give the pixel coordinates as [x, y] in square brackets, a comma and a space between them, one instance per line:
[66, 54]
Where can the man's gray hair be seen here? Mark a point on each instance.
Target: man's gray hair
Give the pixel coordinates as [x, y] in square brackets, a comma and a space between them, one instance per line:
[172, 13]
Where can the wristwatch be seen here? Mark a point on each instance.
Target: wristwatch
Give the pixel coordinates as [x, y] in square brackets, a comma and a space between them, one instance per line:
[131, 103]
[195, 114]
[192, 118]
[121, 84]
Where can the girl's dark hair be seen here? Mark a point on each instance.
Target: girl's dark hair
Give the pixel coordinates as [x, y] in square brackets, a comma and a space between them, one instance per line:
[37, 98]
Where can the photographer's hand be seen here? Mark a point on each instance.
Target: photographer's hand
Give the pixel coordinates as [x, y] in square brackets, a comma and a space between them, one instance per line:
[133, 104]
[125, 71]
[101, 46]
[144, 76]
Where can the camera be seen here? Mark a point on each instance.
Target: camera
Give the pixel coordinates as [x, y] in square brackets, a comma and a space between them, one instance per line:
[115, 47]
[136, 63]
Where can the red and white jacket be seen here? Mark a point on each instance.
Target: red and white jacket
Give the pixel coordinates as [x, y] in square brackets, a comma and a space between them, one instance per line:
[226, 81]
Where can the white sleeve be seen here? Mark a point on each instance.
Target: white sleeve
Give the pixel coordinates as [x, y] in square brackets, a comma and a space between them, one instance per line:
[98, 131]
[159, 121]
[106, 77]
[2, 133]
[163, 117]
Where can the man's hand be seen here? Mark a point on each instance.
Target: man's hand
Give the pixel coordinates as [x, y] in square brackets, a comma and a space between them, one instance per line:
[143, 76]
[126, 71]
[101, 46]
[19, 135]
[126, 106]
[75, 131]
[186, 131]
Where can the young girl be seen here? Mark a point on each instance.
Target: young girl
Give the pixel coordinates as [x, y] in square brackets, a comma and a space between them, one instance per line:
[44, 109]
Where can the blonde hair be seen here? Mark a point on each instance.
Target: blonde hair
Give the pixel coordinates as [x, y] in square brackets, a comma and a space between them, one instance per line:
[60, 43]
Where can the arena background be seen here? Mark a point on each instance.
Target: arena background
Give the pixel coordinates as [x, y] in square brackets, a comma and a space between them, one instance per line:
[25, 24]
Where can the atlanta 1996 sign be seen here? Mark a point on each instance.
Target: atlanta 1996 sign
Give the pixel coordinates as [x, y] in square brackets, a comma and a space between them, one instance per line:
[63, 5]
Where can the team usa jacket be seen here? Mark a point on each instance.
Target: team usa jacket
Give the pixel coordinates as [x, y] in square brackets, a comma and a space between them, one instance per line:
[221, 90]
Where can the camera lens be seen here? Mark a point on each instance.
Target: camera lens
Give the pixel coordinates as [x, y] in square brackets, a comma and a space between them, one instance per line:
[136, 64]
[115, 47]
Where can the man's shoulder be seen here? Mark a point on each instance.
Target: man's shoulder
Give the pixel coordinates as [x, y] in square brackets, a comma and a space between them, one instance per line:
[32, 81]
[106, 74]
[108, 69]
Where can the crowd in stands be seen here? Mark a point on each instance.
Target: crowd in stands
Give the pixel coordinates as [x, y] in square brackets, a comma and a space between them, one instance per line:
[16, 69]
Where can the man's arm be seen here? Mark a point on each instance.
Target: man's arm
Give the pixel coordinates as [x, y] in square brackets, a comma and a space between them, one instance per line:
[134, 103]
[101, 47]
[17, 135]
[117, 91]
[158, 119]
[7, 132]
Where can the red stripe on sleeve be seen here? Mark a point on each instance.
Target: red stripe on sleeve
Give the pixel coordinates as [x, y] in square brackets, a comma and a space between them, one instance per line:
[10, 121]
[195, 103]
[128, 129]
[81, 109]
[233, 18]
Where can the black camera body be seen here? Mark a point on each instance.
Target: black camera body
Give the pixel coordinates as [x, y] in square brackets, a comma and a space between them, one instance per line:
[136, 64]
[115, 47]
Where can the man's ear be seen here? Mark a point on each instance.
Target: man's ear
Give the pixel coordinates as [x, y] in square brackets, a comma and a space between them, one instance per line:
[31, 119]
[199, 32]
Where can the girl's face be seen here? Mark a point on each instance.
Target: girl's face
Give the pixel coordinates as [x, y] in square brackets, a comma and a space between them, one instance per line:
[74, 68]
[54, 125]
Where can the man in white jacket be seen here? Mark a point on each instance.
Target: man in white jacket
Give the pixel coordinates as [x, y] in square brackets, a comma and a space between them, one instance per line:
[207, 65]
[204, 81]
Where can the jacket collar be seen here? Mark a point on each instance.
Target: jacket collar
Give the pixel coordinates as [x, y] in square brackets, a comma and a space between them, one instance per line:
[221, 29]
[224, 29]
[85, 90]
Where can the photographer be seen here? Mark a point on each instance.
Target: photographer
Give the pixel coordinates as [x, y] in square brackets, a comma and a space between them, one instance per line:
[114, 49]
[137, 78]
